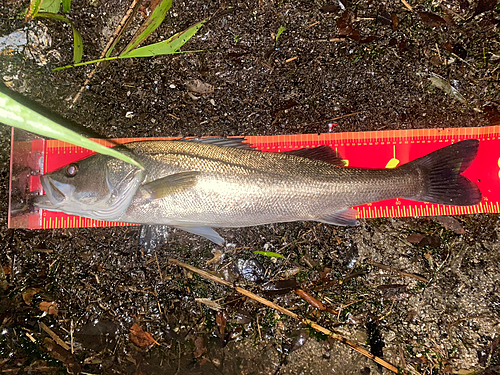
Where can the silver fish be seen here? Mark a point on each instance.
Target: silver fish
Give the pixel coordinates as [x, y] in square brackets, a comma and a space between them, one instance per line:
[198, 185]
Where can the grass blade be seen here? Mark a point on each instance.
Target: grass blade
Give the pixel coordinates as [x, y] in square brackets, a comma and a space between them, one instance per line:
[15, 114]
[77, 46]
[33, 10]
[167, 47]
[66, 5]
[149, 25]
[77, 38]
[270, 254]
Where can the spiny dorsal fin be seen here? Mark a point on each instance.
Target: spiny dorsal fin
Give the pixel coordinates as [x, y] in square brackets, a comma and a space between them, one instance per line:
[238, 142]
[324, 153]
[171, 184]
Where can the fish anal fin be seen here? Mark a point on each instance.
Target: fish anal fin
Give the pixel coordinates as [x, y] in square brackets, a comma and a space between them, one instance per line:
[206, 232]
[344, 218]
[152, 236]
[171, 184]
[323, 153]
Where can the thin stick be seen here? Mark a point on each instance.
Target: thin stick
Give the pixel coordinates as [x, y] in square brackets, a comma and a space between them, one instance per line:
[52, 334]
[407, 5]
[291, 314]
[116, 34]
[402, 273]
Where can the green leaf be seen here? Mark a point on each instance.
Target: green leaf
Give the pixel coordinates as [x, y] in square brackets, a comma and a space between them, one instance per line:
[50, 6]
[77, 38]
[15, 114]
[280, 31]
[167, 47]
[77, 46]
[66, 5]
[33, 9]
[149, 25]
[269, 254]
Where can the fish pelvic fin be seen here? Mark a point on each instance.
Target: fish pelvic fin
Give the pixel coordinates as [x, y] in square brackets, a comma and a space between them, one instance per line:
[443, 182]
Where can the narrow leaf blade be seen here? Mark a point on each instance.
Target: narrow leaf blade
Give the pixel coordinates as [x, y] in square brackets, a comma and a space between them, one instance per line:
[77, 46]
[167, 47]
[33, 9]
[149, 25]
[15, 114]
[270, 254]
[66, 5]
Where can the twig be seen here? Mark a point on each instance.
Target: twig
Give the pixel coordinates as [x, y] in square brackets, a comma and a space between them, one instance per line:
[407, 5]
[127, 18]
[54, 337]
[402, 273]
[287, 312]
[158, 264]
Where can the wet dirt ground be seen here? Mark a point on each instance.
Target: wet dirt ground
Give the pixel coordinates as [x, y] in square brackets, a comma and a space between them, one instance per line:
[365, 67]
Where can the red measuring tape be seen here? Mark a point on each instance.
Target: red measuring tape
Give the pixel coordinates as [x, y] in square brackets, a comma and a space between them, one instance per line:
[376, 149]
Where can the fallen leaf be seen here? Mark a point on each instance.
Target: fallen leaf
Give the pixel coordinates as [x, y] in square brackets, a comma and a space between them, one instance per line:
[221, 321]
[441, 83]
[310, 299]
[492, 115]
[450, 223]
[218, 257]
[141, 338]
[459, 51]
[49, 307]
[97, 334]
[200, 347]
[279, 287]
[346, 28]
[431, 19]
[29, 293]
[415, 238]
[209, 303]
[395, 21]
[199, 87]
[384, 17]
[329, 8]
[484, 6]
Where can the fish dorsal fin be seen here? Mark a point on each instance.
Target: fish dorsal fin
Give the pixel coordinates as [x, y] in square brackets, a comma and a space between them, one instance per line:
[344, 218]
[324, 153]
[171, 184]
[238, 142]
[206, 232]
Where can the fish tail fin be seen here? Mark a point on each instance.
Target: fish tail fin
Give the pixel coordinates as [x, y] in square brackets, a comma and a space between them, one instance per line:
[443, 182]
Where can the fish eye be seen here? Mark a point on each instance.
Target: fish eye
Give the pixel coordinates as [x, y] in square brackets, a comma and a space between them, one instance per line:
[72, 170]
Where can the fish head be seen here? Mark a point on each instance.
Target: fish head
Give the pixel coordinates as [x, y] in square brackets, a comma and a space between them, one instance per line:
[99, 187]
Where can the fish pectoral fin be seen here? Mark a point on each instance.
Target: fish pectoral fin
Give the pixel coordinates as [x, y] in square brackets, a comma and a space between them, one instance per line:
[343, 218]
[206, 232]
[171, 184]
[323, 153]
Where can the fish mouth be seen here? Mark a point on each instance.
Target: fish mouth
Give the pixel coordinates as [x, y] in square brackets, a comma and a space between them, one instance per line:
[53, 194]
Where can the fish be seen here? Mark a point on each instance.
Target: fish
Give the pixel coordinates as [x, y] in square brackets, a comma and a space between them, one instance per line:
[201, 184]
